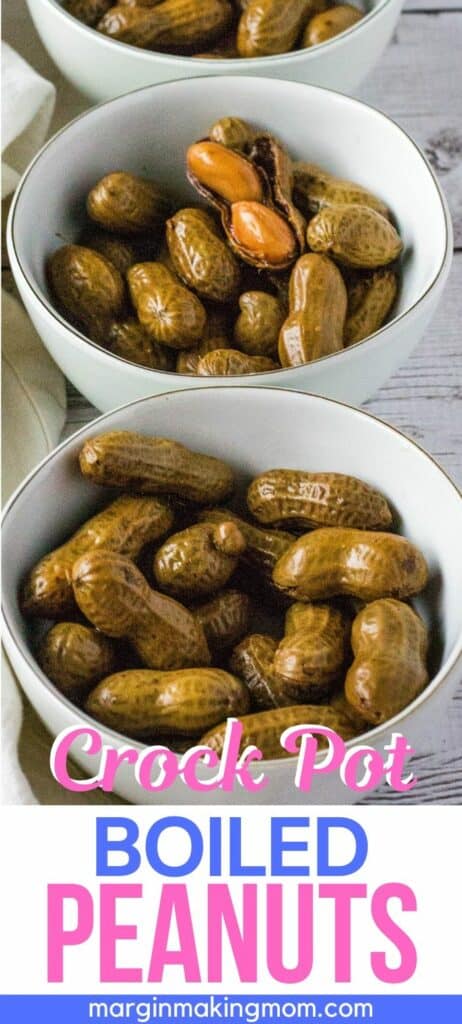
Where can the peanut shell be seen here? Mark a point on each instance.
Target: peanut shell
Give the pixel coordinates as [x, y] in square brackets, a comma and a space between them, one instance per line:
[155, 465]
[390, 644]
[330, 562]
[125, 526]
[297, 498]
[176, 703]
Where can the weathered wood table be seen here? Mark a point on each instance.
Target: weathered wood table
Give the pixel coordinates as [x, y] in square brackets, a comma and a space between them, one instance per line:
[419, 84]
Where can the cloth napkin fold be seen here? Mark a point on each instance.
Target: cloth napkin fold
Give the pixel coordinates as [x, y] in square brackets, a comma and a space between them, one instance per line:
[33, 389]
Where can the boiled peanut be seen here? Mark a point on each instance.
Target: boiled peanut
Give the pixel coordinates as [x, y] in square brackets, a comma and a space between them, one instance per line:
[182, 702]
[262, 234]
[338, 701]
[264, 547]
[125, 526]
[314, 188]
[317, 311]
[168, 311]
[230, 362]
[129, 340]
[257, 327]
[125, 203]
[294, 497]
[330, 23]
[201, 256]
[269, 27]
[75, 658]
[389, 643]
[188, 361]
[199, 560]
[224, 171]
[370, 302]
[312, 654]
[155, 465]
[354, 235]
[253, 661]
[87, 286]
[118, 251]
[87, 11]
[224, 619]
[115, 597]
[328, 562]
[264, 729]
[232, 132]
[172, 23]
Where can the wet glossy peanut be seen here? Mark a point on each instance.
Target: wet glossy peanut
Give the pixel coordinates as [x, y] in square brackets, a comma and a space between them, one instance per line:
[232, 132]
[76, 657]
[129, 340]
[355, 236]
[168, 311]
[125, 526]
[369, 303]
[314, 188]
[330, 23]
[89, 288]
[253, 661]
[172, 23]
[367, 565]
[188, 361]
[143, 703]
[389, 643]
[87, 11]
[269, 27]
[225, 172]
[155, 465]
[317, 310]
[199, 560]
[125, 203]
[201, 256]
[224, 619]
[118, 251]
[307, 500]
[229, 362]
[338, 701]
[257, 327]
[115, 597]
[263, 234]
[264, 729]
[264, 547]
[312, 655]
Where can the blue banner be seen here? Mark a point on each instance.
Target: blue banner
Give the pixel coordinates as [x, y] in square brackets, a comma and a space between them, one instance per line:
[393, 1009]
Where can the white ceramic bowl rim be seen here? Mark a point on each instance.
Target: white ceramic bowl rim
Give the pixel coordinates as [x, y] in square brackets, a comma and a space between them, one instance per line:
[176, 377]
[393, 724]
[231, 62]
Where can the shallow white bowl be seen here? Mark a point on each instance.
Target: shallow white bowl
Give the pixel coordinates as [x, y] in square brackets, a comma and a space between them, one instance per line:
[148, 132]
[102, 68]
[253, 429]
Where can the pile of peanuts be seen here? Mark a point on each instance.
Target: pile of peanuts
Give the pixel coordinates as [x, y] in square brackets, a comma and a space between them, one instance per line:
[287, 263]
[220, 29]
[154, 601]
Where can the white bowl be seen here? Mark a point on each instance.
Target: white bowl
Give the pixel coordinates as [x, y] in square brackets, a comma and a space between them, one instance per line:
[102, 68]
[253, 429]
[148, 132]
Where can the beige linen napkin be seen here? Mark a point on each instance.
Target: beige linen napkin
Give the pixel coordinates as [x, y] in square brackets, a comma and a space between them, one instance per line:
[33, 391]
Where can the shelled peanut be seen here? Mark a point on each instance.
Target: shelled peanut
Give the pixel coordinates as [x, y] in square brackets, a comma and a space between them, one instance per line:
[217, 28]
[174, 645]
[287, 264]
